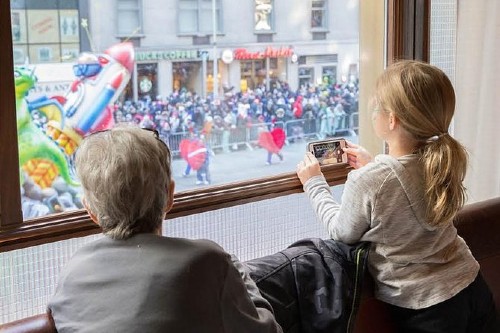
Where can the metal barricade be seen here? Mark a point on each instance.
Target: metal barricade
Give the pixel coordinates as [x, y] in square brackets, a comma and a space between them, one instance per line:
[354, 123]
[174, 140]
[298, 129]
[238, 136]
[341, 123]
[254, 130]
[248, 136]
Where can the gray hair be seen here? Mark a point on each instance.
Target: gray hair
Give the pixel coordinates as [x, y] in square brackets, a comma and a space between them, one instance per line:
[125, 175]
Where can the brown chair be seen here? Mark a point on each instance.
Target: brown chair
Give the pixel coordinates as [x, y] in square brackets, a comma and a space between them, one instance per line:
[42, 323]
[479, 225]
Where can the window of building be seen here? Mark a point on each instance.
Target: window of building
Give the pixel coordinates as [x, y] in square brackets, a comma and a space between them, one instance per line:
[129, 18]
[264, 14]
[196, 16]
[306, 76]
[147, 80]
[253, 73]
[45, 31]
[329, 75]
[319, 14]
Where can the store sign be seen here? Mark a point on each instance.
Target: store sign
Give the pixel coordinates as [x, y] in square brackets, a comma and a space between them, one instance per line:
[227, 56]
[269, 52]
[49, 89]
[166, 55]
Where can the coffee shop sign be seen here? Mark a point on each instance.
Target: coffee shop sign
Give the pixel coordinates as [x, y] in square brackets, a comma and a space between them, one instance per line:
[166, 55]
[269, 52]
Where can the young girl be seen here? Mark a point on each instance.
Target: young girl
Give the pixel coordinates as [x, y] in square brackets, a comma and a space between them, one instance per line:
[404, 203]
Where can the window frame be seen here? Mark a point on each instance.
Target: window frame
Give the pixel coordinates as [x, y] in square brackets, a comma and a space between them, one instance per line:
[324, 9]
[199, 10]
[138, 10]
[272, 20]
[407, 37]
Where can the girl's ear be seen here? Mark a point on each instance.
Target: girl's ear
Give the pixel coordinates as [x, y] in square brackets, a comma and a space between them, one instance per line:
[392, 121]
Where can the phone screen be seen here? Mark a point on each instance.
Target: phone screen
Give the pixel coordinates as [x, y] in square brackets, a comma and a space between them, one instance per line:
[328, 152]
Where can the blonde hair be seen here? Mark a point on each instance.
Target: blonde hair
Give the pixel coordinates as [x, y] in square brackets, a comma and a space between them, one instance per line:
[125, 174]
[422, 97]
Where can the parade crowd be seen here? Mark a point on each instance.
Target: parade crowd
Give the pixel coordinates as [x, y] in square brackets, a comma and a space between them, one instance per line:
[327, 107]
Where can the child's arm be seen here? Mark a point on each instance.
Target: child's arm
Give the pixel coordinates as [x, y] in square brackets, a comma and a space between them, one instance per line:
[346, 224]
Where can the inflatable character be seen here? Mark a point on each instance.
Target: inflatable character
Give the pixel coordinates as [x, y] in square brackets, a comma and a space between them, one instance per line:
[194, 152]
[39, 156]
[100, 79]
[272, 141]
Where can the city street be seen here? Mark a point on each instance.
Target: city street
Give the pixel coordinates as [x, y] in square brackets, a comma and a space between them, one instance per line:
[243, 164]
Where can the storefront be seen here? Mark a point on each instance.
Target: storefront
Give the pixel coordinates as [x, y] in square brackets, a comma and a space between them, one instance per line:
[262, 67]
[160, 72]
[147, 74]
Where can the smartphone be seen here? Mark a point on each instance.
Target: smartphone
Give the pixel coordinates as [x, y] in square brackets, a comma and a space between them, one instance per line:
[329, 151]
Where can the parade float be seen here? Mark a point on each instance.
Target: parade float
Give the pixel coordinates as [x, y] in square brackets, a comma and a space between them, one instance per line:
[46, 148]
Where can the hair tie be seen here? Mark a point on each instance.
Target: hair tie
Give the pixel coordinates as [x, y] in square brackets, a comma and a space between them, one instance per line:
[436, 137]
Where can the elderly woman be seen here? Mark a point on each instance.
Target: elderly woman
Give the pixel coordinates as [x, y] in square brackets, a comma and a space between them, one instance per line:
[133, 279]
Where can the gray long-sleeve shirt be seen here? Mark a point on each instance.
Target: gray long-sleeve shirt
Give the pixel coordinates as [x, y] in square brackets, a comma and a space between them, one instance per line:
[149, 283]
[414, 265]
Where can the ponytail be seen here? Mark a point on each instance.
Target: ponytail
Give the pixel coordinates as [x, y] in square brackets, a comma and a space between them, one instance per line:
[422, 98]
[445, 164]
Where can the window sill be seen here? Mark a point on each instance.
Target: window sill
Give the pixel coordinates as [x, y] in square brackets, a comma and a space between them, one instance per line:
[319, 30]
[135, 36]
[78, 224]
[199, 34]
[264, 32]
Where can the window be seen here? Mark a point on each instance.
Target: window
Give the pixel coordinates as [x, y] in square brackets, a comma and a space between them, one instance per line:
[45, 31]
[319, 14]
[42, 229]
[264, 14]
[196, 17]
[306, 76]
[129, 18]
[164, 55]
[329, 75]
[166, 84]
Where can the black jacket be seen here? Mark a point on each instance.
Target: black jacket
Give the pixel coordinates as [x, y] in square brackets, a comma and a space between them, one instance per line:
[314, 285]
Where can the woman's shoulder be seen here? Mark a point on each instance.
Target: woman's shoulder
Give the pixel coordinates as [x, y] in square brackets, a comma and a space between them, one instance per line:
[202, 244]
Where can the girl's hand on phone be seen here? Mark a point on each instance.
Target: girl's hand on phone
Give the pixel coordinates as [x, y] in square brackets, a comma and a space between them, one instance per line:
[308, 168]
[357, 156]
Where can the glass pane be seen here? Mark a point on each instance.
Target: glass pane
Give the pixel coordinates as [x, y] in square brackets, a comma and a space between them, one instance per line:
[232, 96]
[128, 4]
[128, 22]
[318, 4]
[188, 21]
[263, 15]
[317, 19]
[205, 21]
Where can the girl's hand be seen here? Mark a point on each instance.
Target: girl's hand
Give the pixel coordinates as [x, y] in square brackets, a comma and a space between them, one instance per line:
[357, 156]
[308, 168]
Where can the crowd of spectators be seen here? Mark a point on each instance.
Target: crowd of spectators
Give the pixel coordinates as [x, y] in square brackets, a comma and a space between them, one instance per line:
[187, 112]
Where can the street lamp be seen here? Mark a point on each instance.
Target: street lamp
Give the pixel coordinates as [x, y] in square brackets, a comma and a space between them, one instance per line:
[215, 74]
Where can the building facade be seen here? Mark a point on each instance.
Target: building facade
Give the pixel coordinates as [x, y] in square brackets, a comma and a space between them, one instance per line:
[257, 42]
[253, 42]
